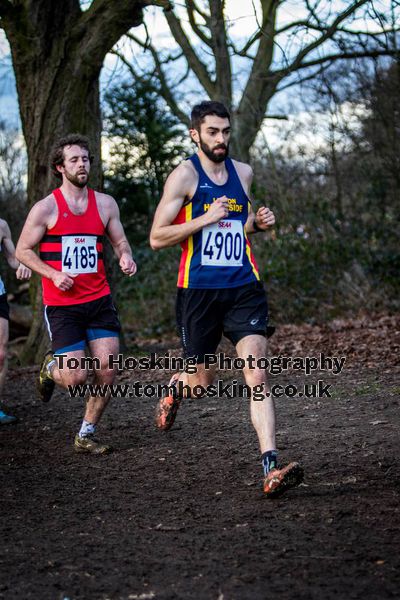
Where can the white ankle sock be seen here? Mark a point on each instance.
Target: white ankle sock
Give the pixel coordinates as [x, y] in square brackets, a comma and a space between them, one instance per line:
[87, 429]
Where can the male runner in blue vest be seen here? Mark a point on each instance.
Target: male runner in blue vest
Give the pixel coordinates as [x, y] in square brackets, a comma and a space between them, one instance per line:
[22, 272]
[205, 207]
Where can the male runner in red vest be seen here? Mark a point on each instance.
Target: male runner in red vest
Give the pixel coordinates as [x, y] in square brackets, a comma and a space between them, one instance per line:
[205, 207]
[70, 225]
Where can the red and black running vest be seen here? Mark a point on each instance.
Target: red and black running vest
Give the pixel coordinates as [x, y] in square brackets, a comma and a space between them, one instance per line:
[75, 246]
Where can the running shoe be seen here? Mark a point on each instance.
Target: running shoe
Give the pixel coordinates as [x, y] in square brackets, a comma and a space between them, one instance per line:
[46, 384]
[90, 445]
[7, 419]
[279, 480]
[167, 407]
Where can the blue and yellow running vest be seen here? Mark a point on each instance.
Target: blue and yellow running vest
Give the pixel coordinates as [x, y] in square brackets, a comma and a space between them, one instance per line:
[219, 255]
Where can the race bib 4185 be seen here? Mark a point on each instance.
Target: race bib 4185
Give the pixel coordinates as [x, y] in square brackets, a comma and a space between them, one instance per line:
[79, 254]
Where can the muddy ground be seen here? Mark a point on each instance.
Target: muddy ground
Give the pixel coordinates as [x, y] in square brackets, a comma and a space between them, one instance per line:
[182, 514]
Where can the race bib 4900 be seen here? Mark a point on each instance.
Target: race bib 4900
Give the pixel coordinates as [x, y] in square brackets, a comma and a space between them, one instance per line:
[79, 254]
[222, 244]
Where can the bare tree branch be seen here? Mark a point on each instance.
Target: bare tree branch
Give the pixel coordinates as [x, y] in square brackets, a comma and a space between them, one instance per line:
[302, 79]
[254, 38]
[191, 8]
[259, 80]
[329, 32]
[197, 66]
[164, 88]
[311, 10]
[298, 24]
[147, 45]
[333, 57]
[332, 39]
[223, 69]
[277, 117]
[113, 18]
[129, 65]
[370, 34]
[205, 16]
[184, 76]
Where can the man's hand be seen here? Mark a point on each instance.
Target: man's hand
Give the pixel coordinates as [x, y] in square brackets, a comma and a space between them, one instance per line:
[264, 218]
[23, 272]
[62, 281]
[127, 264]
[218, 210]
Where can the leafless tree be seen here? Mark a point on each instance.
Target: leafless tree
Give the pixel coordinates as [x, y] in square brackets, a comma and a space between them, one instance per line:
[58, 51]
[282, 52]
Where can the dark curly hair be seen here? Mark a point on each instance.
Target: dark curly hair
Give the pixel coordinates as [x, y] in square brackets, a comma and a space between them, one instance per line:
[57, 151]
[208, 107]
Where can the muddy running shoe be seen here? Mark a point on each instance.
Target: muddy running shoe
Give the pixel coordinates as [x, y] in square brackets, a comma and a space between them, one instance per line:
[167, 407]
[46, 384]
[7, 419]
[90, 445]
[279, 480]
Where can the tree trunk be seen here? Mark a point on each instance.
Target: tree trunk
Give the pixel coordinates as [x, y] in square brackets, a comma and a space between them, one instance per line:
[67, 103]
[57, 54]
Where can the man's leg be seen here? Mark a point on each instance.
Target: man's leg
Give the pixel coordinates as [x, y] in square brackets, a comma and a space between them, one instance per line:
[5, 419]
[3, 351]
[263, 418]
[167, 407]
[203, 377]
[66, 326]
[100, 349]
[63, 371]
[59, 368]
[200, 328]
[262, 411]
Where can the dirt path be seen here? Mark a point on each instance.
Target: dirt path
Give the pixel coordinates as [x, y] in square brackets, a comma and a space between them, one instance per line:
[182, 514]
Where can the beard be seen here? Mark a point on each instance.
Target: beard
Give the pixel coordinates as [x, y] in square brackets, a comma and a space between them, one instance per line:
[216, 158]
[80, 180]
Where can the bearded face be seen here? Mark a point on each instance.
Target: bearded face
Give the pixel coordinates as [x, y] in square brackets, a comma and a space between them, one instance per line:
[212, 137]
[76, 165]
[79, 179]
[217, 153]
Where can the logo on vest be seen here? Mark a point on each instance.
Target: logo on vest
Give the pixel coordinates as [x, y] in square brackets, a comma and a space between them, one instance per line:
[233, 205]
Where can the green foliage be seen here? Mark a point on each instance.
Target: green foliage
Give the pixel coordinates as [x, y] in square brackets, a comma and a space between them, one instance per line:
[145, 143]
[380, 135]
[335, 247]
[147, 300]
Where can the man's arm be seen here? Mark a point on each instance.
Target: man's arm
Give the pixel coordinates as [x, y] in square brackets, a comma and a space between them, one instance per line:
[264, 217]
[181, 184]
[32, 232]
[116, 234]
[22, 272]
[261, 221]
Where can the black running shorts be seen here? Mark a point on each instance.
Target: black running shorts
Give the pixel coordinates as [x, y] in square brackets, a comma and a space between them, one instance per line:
[203, 316]
[71, 327]
[4, 308]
